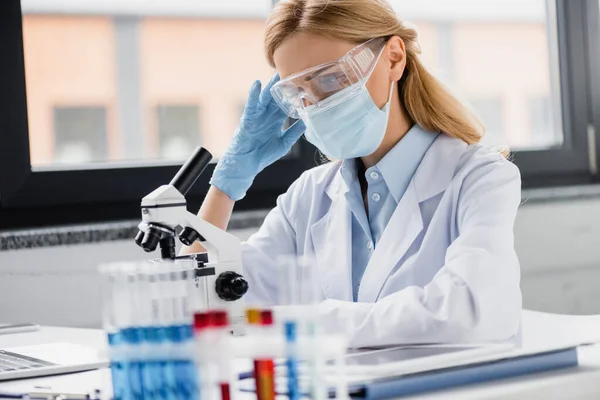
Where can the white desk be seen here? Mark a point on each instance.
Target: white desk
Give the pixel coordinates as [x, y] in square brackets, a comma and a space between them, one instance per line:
[79, 382]
[572, 384]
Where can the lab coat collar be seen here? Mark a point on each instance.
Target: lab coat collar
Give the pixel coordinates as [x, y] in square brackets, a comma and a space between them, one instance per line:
[332, 234]
[337, 187]
[399, 165]
[431, 177]
[438, 167]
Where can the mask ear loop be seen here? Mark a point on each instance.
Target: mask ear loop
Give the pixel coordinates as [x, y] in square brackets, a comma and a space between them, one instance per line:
[394, 83]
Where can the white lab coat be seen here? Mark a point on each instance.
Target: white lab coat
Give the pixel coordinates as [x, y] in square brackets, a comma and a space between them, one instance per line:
[444, 271]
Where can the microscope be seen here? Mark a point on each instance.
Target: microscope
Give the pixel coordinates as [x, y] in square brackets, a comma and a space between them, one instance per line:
[219, 271]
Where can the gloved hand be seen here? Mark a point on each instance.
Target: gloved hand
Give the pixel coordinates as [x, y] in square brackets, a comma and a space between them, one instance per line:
[258, 142]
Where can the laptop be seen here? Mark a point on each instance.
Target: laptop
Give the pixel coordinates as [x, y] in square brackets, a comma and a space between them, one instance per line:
[48, 359]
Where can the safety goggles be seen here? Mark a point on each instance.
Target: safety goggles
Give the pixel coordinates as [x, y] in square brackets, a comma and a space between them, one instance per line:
[315, 85]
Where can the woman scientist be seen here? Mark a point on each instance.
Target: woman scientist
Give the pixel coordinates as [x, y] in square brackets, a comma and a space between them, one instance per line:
[411, 228]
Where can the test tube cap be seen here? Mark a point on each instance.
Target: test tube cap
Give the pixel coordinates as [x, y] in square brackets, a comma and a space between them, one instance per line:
[266, 317]
[220, 318]
[253, 316]
[201, 321]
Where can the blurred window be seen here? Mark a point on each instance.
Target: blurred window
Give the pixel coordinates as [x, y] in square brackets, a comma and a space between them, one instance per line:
[79, 134]
[134, 56]
[178, 130]
[540, 117]
[499, 53]
[491, 113]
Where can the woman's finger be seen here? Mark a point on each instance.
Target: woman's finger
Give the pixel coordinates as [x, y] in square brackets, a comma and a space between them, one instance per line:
[265, 96]
[253, 98]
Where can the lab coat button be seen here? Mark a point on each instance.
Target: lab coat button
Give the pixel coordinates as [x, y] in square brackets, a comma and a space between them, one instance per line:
[376, 197]
[374, 175]
[370, 245]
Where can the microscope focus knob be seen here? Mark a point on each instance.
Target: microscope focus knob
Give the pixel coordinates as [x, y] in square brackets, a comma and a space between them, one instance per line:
[188, 236]
[231, 286]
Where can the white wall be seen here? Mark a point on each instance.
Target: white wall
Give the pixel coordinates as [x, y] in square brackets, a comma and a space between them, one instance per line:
[558, 245]
[559, 248]
[59, 285]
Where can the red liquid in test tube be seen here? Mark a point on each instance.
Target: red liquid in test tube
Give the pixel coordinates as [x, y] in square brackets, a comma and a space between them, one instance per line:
[206, 337]
[221, 324]
[266, 376]
[225, 391]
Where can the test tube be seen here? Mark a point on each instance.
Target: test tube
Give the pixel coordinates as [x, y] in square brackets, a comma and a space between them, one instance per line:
[157, 333]
[312, 329]
[108, 288]
[111, 326]
[132, 332]
[225, 357]
[176, 363]
[147, 316]
[176, 293]
[207, 353]
[162, 306]
[185, 365]
[252, 321]
[298, 288]
[253, 328]
[152, 367]
[266, 376]
[289, 296]
[201, 324]
[117, 285]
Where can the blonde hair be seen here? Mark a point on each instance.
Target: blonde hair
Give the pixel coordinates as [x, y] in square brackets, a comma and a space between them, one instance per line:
[426, 100]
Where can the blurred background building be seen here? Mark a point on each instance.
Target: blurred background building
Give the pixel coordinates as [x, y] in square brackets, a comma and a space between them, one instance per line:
[108, 82]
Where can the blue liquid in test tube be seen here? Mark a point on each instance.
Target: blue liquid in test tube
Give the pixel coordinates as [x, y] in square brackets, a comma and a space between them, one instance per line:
[118, 369]
[124, 367]
[153, 338]
[132, 337]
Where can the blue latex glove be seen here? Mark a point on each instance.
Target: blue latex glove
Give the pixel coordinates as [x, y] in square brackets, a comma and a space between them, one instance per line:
[258, 142]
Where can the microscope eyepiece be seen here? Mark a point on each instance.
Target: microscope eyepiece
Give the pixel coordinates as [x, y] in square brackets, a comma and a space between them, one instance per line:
[191, 170]
[139, 237]
[151, 240]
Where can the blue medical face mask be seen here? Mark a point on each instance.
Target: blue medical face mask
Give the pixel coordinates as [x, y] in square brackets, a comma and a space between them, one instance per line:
[348, 124]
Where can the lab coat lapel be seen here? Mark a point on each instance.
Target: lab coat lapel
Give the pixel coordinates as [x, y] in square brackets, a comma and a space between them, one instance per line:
[331, 237]
[433, 176]
[402, 229]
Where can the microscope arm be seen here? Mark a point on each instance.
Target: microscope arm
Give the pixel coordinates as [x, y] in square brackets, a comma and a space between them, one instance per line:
[226, 245]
